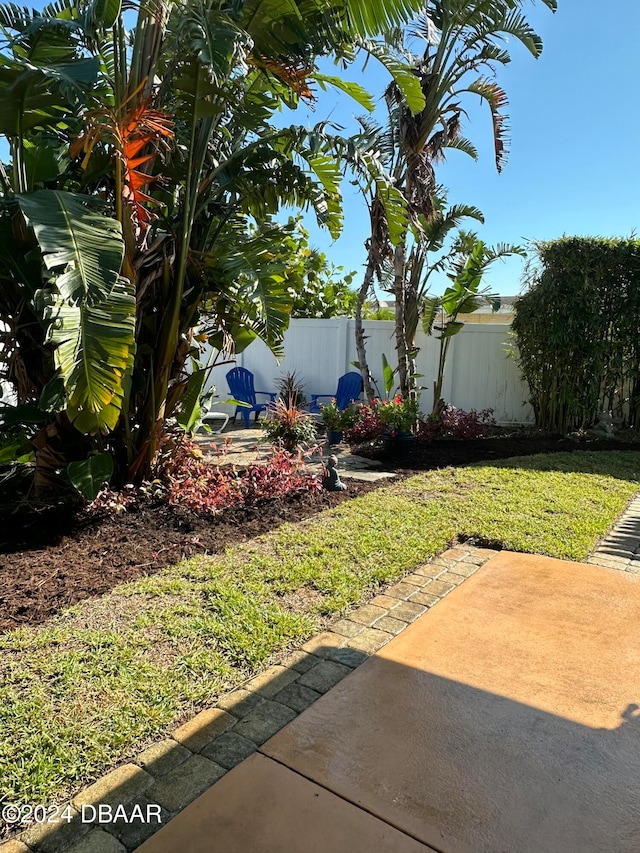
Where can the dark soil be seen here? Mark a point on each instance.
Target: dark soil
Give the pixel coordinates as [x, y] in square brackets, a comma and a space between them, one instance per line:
[70, 557]
[52, 557]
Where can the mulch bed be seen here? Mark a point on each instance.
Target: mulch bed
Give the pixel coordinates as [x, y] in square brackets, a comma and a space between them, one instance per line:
[501, 445]
[53, 558]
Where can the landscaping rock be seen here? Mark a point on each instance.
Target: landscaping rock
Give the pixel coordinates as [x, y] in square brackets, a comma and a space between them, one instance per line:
[455, 553]
[98, 841]
[271, 681]
[438, 588]
[429, 570]
[347, 628]
[388, 623]
[119, 786]
[402, 590]
[466, 568]
[163, 757]
[348, 656]
[367, 615]
[324, 676]
[370, 640]
[321, 644]
[408, 611]
[297, 697]
[133, 833]
[452, 576]
[55, 837]
[425, 598]
[384, 601]
[240, 702]
[301, 661]
[368, 476]
[14, 846]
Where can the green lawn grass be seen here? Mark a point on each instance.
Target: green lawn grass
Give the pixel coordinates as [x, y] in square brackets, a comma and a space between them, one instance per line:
[89, 688]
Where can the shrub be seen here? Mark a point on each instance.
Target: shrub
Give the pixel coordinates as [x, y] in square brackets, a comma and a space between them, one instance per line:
[455, 423]
[350, 416]
[338, 420]
[282, 475]
[205, 489]
[331, 415]
[398, 414]
[576, 332]
[291, 390]
[288, 426]
[367, 427]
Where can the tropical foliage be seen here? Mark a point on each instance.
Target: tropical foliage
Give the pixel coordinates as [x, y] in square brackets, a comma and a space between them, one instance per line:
[137, 207]
[465, 265]
[450, 422]
[465, 45]
[320, 289]
[398, 414]
[207, 490]
[288, 426]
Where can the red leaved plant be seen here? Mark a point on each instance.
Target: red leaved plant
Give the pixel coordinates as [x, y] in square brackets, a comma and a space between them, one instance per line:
[207, 489]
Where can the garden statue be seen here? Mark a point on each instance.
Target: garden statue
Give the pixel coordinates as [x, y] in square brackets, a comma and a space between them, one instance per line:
[331, 480]
[604, 427]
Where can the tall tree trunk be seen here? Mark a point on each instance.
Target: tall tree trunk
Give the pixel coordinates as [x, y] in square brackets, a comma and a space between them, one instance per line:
[399, 263]
[360, 345]
[410, 329]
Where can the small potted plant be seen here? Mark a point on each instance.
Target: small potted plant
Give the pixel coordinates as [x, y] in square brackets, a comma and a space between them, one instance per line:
[288, 426]
[332, 418]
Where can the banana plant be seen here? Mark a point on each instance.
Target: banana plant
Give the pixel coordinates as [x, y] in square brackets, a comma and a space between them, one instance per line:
[466, 264]
[141, 165]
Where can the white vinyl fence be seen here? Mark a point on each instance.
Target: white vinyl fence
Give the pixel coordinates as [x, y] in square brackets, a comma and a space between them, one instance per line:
[478, 375]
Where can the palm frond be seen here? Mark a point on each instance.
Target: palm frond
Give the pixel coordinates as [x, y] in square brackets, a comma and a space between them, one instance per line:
[496, 98]
[431, 307]
[354, 90]
[402, 73]
[461, 143]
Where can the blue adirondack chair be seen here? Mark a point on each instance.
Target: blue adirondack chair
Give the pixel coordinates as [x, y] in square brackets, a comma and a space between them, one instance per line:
[349, 388]
[240, 382]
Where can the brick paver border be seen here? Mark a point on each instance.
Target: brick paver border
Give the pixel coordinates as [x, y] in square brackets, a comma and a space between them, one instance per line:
[175, 771]
[620, 548]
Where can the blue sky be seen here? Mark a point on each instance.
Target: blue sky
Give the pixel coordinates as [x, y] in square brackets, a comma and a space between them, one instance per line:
[575, 122]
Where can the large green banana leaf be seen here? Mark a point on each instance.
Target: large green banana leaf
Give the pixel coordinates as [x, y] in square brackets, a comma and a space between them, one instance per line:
[95, 350]
[32, 96]
[82, 247]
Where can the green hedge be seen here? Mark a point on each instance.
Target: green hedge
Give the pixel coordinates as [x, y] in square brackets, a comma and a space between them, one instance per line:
[576, 331]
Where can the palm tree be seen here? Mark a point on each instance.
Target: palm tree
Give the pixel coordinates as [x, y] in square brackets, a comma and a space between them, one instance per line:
[464, 45]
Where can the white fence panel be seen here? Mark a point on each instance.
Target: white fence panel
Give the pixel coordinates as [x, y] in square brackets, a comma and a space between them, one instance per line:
[479, 375]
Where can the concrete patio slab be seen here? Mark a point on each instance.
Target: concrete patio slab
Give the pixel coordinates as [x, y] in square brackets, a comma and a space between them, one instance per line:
[504, 719]
[263, 807]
